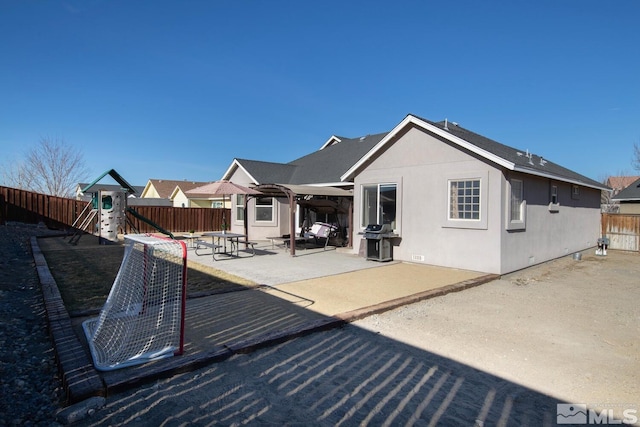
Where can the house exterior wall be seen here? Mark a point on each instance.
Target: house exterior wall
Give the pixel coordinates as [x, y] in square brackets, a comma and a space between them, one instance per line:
[151, 192]
[572, 226]
[181, 200]
[258, 230]
[199, 203]
[422, 165]
[629, 208]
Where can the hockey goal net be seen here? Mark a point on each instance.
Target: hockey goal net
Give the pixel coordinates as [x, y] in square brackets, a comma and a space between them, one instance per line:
[143, 317]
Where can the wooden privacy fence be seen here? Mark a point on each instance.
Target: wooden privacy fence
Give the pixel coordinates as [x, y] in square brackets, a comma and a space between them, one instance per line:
[622, 230]
[179, 219]
[29, 207]
[60, 212]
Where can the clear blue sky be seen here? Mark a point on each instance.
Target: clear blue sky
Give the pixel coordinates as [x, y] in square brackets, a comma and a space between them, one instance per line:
[177, 89]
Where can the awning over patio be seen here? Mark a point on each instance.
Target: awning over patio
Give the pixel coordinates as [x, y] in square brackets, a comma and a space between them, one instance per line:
[297, 194]
[283, 190]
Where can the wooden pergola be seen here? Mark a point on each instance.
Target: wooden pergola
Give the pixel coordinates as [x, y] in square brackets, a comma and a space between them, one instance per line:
[299, 195]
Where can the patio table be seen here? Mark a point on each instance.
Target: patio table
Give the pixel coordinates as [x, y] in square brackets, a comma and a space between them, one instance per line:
[191, 239]
[225, 236]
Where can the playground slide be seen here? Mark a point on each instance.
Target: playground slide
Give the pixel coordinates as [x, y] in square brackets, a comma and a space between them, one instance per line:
[148, 221]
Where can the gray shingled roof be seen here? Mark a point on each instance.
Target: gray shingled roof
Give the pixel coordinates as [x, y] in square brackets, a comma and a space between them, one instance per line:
[534, 164]
[632, 192]
[322, 166]
[268, 172]
[330, 163]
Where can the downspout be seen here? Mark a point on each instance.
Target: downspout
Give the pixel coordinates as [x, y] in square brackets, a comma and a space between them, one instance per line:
[292, 223]
[246, 221]
[350, 235]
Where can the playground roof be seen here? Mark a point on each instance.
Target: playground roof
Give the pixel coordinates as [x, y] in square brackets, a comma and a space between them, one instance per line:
[116, 176]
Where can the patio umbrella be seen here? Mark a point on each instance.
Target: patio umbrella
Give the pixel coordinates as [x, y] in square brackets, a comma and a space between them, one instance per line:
[221, 188]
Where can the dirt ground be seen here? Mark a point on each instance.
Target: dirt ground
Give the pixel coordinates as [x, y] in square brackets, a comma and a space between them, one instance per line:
[85, 272]
[503, 353]
[567, 328]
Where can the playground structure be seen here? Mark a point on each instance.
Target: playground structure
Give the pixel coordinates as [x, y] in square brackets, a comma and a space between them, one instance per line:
[108, 211]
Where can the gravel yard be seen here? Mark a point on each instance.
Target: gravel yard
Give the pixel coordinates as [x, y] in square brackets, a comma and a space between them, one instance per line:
[505, 352]
[30, 389]
[567, 328]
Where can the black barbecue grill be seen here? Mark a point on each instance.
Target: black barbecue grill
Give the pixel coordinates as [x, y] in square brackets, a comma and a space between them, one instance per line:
[379, 247]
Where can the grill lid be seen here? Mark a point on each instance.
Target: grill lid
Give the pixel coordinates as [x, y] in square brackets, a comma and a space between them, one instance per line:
[378, 228]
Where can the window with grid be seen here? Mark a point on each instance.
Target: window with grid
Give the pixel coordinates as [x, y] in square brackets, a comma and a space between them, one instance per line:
[464, 199]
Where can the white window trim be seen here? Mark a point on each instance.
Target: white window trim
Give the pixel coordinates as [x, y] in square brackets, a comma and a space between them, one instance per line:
[394, 181]
[520, 223]
[478, 224]
[273, 212]
[235, 206]
[575, 192]
[554, 206]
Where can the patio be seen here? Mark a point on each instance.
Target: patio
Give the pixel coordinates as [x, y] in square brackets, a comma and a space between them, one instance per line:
[335, 283]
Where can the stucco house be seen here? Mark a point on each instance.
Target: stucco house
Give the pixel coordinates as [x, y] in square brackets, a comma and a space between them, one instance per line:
[629, 198]
[454, 198]
[619, 183]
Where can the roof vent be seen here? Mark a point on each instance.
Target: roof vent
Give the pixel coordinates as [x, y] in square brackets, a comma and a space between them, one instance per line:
[446, 123]
[530, 157]
[362, 138]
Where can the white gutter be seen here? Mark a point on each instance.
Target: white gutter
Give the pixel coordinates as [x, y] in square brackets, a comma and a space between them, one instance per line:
[557, 177]
[329, 184]
[236, 164]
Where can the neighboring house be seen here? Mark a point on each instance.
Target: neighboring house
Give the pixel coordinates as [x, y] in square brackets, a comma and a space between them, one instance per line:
[629, 198]
[619, 183]
[174, 192]
[455, 198]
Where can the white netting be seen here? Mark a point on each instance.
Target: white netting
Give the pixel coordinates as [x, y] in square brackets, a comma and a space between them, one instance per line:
[143, 316]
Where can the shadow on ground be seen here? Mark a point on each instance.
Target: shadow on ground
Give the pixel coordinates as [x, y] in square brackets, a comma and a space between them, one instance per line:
[345, 376]
[272, 369]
